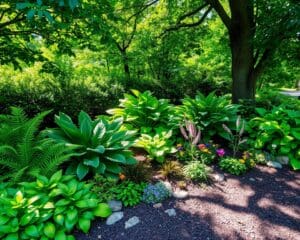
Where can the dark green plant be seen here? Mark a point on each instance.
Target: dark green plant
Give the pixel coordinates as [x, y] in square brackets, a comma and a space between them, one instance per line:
[102, 145]
[235, 138]
[278, 132]
[155, 193]
[196, 170]
[157, 145]
[142, 110]
[24, 152]
[105, 188]
[233, 165]
[140, 172]
[208, 113]
[48, 208]
[130, 193]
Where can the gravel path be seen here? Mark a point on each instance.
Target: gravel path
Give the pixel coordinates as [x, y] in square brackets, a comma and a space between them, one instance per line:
[263, 204]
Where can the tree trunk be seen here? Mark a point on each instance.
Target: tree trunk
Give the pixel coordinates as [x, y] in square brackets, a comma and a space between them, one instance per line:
[126, 65]
[241, 34]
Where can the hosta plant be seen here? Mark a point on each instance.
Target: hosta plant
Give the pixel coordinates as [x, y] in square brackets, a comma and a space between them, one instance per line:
[101, 145]
[143, 110]
[157, 145]
[24, 152]
[278, 132]
[48, 208]
[207, 112]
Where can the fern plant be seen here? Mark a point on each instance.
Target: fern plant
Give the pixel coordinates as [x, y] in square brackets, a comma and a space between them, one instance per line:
[24, 152]
[103, 145]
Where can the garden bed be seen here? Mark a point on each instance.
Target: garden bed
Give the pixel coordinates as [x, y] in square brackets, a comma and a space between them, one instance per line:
[263, 204]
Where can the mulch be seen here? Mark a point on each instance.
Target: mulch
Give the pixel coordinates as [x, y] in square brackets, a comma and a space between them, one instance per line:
[263, 204]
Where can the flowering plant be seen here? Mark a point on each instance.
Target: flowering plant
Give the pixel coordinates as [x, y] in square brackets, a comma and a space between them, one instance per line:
[207, 152]
[154, 193]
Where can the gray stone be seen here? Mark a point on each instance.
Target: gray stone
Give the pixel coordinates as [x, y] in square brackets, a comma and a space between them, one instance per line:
[157, 205]
[284, 160]
[180, 194]
[171, 212]
[218, 177]
[252, 179]
[115, 217]
[274, 164]
[115, 205]
[132, 222]
[168, 186]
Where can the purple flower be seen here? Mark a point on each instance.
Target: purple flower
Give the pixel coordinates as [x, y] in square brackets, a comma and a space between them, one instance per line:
[220, 152]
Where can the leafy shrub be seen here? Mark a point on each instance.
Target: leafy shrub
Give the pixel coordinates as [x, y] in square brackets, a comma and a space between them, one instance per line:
[278, 132]
[196, 170]
[233, 165]
[24, 152]
[209, 113]
[102, 145]
[207, 153]
[157, 145]
[142, 110]
[130, 193]
[48, 208]
[155, 193]
[105, 188]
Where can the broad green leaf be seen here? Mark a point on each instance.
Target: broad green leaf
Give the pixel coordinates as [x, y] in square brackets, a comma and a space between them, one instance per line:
[82, 171]
[84, 224]
[102, 210]
[49, 230]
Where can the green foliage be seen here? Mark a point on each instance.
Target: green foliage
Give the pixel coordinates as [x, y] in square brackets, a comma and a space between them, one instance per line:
[236, 138]
[233, 166]
[209, 113]
[196, 170]
[24, 152]
[171, 169]
[104, 187]
[278, 132]
[142, 110]
[48, 208]
[155, 193]
[157, 145]
[130, 193]
[102, 145]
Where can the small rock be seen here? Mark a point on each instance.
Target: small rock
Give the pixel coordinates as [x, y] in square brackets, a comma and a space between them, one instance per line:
[115, 205]
[132, 222]
[99, 236]
[252, 179]
[171, 212]
[157, 205]
[274, 164]
[180, 194]
[168, 185]
[284, 160]
[115, 217]
[218, 177]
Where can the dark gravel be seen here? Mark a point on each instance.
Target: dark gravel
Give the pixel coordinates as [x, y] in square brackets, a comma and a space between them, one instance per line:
[263, 204]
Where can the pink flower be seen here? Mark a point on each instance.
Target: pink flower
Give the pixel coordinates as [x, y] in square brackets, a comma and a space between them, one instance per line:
[201, 146]
[220, 152]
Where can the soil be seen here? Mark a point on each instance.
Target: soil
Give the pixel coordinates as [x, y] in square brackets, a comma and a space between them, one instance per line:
[263, 204]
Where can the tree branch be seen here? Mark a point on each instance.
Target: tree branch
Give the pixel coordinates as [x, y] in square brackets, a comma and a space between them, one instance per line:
[143, 8]
[186, 25]
[193, 12]
[261, 64]
[221, 12]
[18, 18]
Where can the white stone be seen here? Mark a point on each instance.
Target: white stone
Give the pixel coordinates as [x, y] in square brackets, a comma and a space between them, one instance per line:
[171, 212]
[218, 177]
[284, 160]
[115, 217]
[132, 222]
[274, 164]
[252, 179]
[180, 194]
[157, 205]
[115, 205]
[168, 185]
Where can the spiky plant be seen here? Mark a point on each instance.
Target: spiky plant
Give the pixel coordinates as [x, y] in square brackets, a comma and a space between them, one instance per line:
[24, 152]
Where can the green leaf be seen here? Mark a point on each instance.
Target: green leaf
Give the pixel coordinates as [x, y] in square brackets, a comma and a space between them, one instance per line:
[82, 171]
[72, 215]
[102, 210]
[295, 163]
[117, 158]
[88, 203]
[84, 224]
[99, 149]
[56, 177]
[60, 235]
[32, 231]
[49, 230]
[93, 162]
[59, 219]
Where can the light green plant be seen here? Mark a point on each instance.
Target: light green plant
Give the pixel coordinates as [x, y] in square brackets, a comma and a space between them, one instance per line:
[196, 170]
[24, 152]
[48, 208]
[233, 165]
[142, 110]
[157, 145]
[130, 193]
[101, 145]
